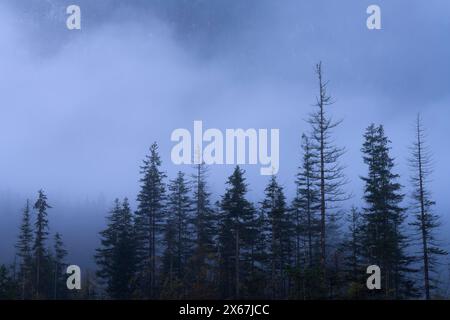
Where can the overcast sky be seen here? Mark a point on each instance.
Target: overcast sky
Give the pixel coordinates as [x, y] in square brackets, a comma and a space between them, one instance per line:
[79, 109]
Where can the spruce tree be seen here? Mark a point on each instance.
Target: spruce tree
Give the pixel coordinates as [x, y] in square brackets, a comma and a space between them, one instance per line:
[352, 248]
[425, 221]
[41, 233]
[60, 254]
[279, 237]
[178, 237]
[204, 222]
[149, 222]
[116, 256]
[384, 240]
[25, 254]
[235, 236]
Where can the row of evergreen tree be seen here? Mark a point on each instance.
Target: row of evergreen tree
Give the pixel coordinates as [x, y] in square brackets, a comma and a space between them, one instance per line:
[180, 244]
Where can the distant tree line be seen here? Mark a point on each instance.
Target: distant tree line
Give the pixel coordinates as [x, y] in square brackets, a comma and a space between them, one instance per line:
[178, 244]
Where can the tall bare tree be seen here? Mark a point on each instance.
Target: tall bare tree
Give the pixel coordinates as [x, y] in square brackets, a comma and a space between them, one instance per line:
[329, 172]
[426, 221]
